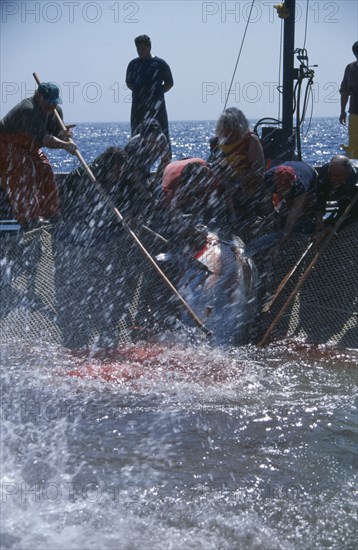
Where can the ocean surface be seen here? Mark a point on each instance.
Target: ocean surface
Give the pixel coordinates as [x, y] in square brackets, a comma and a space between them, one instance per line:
[185, 445]
[321, 140]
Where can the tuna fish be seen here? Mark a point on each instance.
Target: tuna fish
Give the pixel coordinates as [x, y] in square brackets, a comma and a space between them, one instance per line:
[224, 295]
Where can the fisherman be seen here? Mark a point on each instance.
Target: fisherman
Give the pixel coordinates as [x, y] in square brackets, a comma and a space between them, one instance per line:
[149, 78]
[172, 176]
[337, 181]
[148, 147]
[237, 160]
[81, 201]
[292, 186]
[349, 90]
[26, 174]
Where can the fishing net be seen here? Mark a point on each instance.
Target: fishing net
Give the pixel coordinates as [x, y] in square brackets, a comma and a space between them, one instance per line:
[61, 290]
[75, 291]
[325, 310]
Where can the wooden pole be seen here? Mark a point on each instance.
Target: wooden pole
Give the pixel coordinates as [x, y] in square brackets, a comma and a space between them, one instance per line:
[266, 308]
[133, 236]
[306, 274]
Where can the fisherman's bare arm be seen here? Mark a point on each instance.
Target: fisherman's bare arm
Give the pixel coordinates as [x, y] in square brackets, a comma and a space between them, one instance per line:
[53, 142]
[344, 101]
[295, 213]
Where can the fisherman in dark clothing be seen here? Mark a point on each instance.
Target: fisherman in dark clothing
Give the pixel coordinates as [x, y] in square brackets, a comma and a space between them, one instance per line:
[337, 181]
[144, 150]
[292, 185]
[149, 78]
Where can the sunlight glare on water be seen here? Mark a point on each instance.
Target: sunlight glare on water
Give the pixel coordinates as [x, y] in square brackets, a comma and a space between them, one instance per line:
[141, 446]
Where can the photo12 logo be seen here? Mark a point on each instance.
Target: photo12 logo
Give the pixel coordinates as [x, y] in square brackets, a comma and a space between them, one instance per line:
[70, 92]
[125, 495]
[255, 92]
[254, 12]
[70, 12]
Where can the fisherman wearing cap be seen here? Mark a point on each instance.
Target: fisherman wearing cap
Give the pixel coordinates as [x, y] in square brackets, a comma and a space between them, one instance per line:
[26, 174]
[292, 186]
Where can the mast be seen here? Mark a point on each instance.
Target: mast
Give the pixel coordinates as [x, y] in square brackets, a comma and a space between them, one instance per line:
[288, 80]
[279, 141]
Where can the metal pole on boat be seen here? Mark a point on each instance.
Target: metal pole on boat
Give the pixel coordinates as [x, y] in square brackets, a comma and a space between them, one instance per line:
[134, 237]
[305, 275]
[288, 140]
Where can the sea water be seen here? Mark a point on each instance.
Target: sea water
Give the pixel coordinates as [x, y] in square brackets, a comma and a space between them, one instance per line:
[321, 139]
[181, 445]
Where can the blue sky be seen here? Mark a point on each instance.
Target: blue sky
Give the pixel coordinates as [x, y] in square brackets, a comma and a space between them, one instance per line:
[85, 47]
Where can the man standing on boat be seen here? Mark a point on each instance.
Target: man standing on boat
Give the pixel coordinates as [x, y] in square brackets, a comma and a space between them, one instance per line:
[26, 174]
[349, 90]
[149, 78]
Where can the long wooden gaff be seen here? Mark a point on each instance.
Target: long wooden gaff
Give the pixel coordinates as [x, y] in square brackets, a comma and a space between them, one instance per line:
[315, 259]
[134, 237]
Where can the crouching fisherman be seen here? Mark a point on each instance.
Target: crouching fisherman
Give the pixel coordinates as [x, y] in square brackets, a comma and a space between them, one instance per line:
[26, 174]
[292, 190]
[337, 182]
[292, 185]
[145, 149]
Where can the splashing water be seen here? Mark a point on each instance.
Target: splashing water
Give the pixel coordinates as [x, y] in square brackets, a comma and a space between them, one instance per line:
[178, 444]
[163, 446]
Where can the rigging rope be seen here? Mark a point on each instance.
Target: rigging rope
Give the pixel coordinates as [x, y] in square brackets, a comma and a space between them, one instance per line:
[279, 72]
[306, 25]
[239, 55]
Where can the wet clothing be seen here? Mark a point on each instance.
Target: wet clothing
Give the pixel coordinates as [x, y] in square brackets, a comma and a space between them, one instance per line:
[342, 194]
[26, 174]
[146, 78]
[352, 149]
[172, 174]
[239, 171]
[236, 154]
[143, 153]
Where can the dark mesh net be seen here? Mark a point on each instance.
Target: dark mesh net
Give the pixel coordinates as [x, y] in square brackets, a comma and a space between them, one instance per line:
[326, 307]
[58, 289]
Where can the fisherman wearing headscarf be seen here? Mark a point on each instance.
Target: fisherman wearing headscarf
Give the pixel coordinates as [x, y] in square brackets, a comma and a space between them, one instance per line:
[292, 186]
